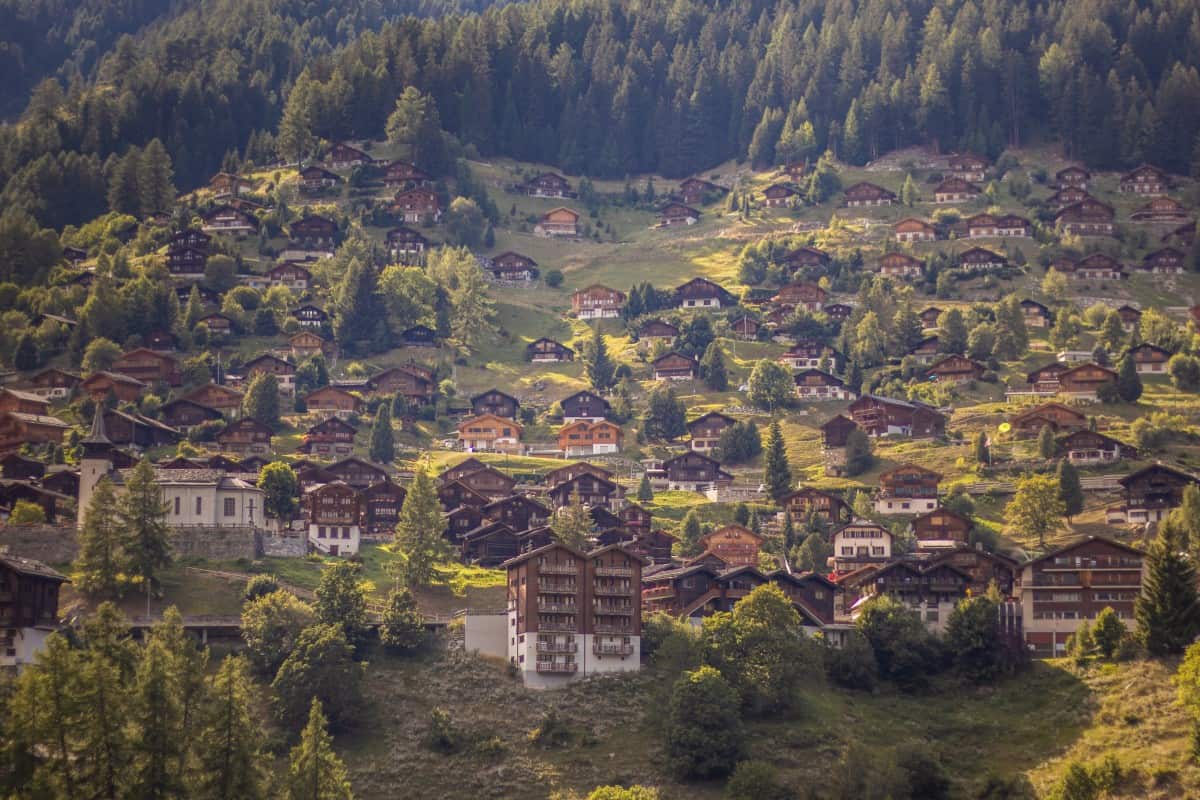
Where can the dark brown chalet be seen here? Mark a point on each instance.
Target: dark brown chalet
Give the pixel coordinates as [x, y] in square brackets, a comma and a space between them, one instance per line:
[403, 174]
[51, 382]
[460, 520]
[657, 329]
[1083, 382]
[653, 545]
[490, 544]
[930, 316]
[149, 366]
[548, 184]
[983, 226]
[673, 214]
[1054, 415]
[953, 190]
[955, 369]
[1152, 492]
[456, 494]
[28, 608]
[1047, 379]
[333, 437]
[816, 385]
[510, 266]
[419, 336]
[417, 205]
[518, 512]
[806, 502]
[1150, 359]
[495, 402]
[694, 191]
[1037, 315]
[706, 431]
[968, 166]
[736, 545]
[941, 527]
[227, 219]
[703, 293]
[15, 466]
[411, 380]
[186, 261]
[900, 265]
[185, 414]
[486, 480]
[675, 366]
[695, 472]
[342, 155]
[406, 245]
[1074, 176]
[312, 232]
[838, 312]
[1167, 261]
[1130, 317]
[809, 354]
[25, 402]
[591, 490]
[310, 316]
[1184, 235]
[926, 351]
[268, 364]
[778, 195]
[1088, 217]
[17, 429]
[980, 259]
[1066, 196]
[222, 398]
[636, 518]
[907, 489]
[928, 589]
[1162, 211]
[137, 430]
[548, 350]
[315, 179]
[217, 324]
[914, 230]
[836, 431]
[382, 502]
[557, 476]
[584, 405]
[99, 384]
[246, 437]
[868, 194]
[1091, 447]
[1071, 585]
[331, 400]
[358, 472]
[1144, 180]
[884, 416]
[805, 295]
[704, 588]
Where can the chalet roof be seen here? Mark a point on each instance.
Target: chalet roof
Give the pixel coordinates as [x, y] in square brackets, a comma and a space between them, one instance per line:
[115, 377]
[725, 417]
[31, 568]
[1028, 303]
[675, 354]
[739, 528]
[1126, 480]
[28, 397]
[944, 512]
[909, 466]
[37, 419]
[505, 395]
[1066, 440]
[1080, 542]
[504, 421]
[1041, 409]
[859, 523]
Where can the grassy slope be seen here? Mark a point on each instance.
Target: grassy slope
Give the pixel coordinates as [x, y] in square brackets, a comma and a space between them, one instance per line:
[1031, 725]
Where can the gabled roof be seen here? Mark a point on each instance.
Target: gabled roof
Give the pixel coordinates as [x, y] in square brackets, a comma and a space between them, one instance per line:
[1126, 480]
[31, 568]
[728, 419]
[1079, 542]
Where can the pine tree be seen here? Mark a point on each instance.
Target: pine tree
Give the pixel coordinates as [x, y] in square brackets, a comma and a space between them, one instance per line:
[230, 741]
[600, 368]
[857, 452]
[1129, 383]
[158, 714]
[645, 491]
[142, 513]
[360, 317]
[1070, 490]
[1167, 610]
[712, 368]
[25, 356]
[777, 473]
[103, 749]
[341, 599]
[908, 192]
[124, 195]
[980, 449]
[315, 771]
[403, 627]
[572, 524]
[383, 445]
[261, 402]
[194, 309]
[1047, 447]
[419, 536]
[155, 179]
[690, 533]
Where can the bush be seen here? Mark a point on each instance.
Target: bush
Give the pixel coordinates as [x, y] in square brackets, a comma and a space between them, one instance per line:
[551, 733]
[441, 736]
[755, 780]
[852, 666]
[554, 278]
[259, 586]
[704, 726]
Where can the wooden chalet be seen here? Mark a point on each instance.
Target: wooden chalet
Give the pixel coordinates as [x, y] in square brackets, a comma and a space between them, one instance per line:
[186, 262]
[548, 184]
[1091, 447]
[1130, 317]
[703, 293]
[227, 219]
[226, 184]
[410, 380]
[1162, 211]
[512, 267]
[382, 502]
[955, 369]
[941, 527]
[886, 416]
[404, 174]
[306, 344]
[246, 437]
[562, 474]
[706, 431]
[696, 191]
[980, 259]
[900, 265]
[124, 388]
[18, 428]
[968, 166]
[1083, 382]
[490, 544]
[1037, 315]
[926, 351]
[907, 489]
[584, 405]
[51, 383]
[954, 190]
[1097, 266]
[805, 258]
[806, 502]
[312, 232]
[868, 194]
[419, 336]
[693, 472]
[315, 179]
[778, 195]
[358, 472]
[310, 316]
[1150, 359]
[406, 245]
[588, 488]
[334, 513]
[344, 156]
[496, 403]
[836, 432]
[1165, 261]
[1074, 176]
[186, 414]
[14, 466]
[735, 545]
[1088, 217]
[932, 591]
[559, 221]
[216, 324]
[805, 295]
[930, 316]
[547, 350]
[860, 543]
[489, 433]
[584, 438]
[597, 302]
[1064, 197]
[518, 512]
[674, 366]
[838, 312]
[817, 386]
[227, 401]
[137, 430]
[810, 354]
[673, 214]
[745, 328]
[657, 329]
[914, 230]
[28, 609]
[1144, 180]
[418, 205]
[332, 401]
[330, 438]
[149, 366]
[983, 226]
[24, 402]
[1153, 491]
[268, 364]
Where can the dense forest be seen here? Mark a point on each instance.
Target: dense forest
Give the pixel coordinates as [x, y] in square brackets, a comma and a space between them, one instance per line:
[612, 87]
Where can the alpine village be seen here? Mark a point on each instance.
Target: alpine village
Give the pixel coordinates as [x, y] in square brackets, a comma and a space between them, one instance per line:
[600, 400]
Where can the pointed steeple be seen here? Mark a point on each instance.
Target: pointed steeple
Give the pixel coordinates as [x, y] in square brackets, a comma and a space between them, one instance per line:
[97, 434]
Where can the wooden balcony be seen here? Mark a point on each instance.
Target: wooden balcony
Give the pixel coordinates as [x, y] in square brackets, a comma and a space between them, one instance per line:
[613, 591]
[557, 647]
[621, 611]
[557, 667]
[623, 630]
[557, 587]
[556, 608]
[658, 593]
[557, 627]
[612, 649]
[558, 569]
[615, 572]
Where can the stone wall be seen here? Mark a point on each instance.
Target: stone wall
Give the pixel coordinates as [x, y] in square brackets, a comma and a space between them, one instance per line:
[59, 545]
[289, 544]
[50, 544]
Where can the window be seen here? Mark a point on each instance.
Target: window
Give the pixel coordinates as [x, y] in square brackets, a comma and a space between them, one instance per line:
[321, 532]
[177, 504]
[230, 506]
[199, 505]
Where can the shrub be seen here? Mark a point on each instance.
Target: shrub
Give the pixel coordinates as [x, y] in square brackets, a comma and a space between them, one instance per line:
[551, 733]
[554, 278]
[259, 586]
[755, 780]
[441, 736]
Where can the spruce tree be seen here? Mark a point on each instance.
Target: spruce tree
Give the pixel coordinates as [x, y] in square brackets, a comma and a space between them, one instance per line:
[712, 368]
[315, 771]
[230, 741]
[261, 402]
[1070, 490]
[645, 491]
[25, 356]
[383, 444]
[690, 533]
[572, 524]
[980, 449]
[419, 538]
[1167, 610]
[142, 513]
[99, 567]
[155, 179]
[341, 599]
[1046, 445]
[1129, 383]
[158, 750]
[600, 368]
[403, 628]
[777, 473]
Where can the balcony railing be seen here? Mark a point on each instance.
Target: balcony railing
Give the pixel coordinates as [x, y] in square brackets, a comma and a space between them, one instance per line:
[619, 572]
[556, 608]
[613, 610]
[658, 593]
[624, 630]
[558, 569]
[557, 627]
[555, 666]
[612, 591]
[612, 649]
[557, 647]
[559, 587]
